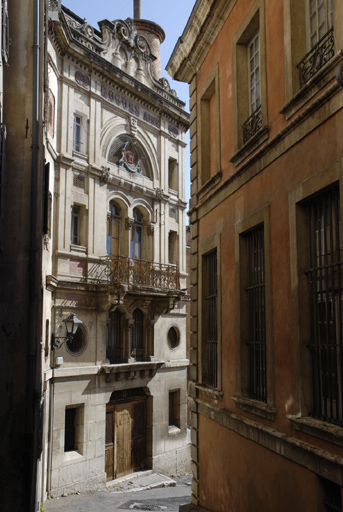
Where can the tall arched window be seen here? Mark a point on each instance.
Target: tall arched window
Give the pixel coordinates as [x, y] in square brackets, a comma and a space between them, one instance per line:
[137, 235]
[114, 337]
[113, 230]
[136, 335]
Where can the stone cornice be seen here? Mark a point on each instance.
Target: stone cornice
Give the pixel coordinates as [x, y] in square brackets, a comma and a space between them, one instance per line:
[157, 94]
[203, 27]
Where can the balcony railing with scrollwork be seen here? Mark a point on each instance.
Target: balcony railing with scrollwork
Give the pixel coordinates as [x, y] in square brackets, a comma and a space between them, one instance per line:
[136, 274]
[317, 57]
[252, 125]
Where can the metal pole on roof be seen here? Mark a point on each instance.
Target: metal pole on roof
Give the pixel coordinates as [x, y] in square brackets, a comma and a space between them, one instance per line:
[136, 9]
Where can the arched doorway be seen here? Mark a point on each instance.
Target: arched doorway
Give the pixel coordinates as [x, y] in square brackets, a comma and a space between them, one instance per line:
[125, 439]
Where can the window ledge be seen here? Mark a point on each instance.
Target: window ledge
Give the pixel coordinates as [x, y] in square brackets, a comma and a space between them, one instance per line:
[255, 407]
[312, 87]
[210, 183]
[250, 146]
[173, 431]
[72, 456]
[80, 249]
[317, 428]
[81, 156]
[211, 392]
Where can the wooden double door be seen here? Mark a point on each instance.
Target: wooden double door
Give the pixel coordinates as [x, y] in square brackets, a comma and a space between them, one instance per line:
[125, 444]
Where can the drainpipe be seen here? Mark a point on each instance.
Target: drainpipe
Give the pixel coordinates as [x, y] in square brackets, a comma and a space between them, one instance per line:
[51, 424]
[33, 400]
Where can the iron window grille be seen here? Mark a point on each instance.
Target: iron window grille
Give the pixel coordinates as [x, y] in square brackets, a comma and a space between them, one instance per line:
[252, 125]
[326, 303]
[317, 57]
[255, 290]
[210, 328]
[332, 496]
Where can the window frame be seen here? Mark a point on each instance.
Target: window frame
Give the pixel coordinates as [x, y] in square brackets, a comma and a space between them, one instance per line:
[137, 336]
[252, 24]
[75, 223]
[77, 139]
[328, 7]
[302, 364]
[115, 325]
[254, 105]
[243, 400]
[111, 218]
[296, 47]
[208, 246]
[320, 401]
[76, 431]
[137, 232]
[174, 412]
[209, 92]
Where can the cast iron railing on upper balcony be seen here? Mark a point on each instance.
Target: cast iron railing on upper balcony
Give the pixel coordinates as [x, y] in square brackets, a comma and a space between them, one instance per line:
[252, 125]
[317, 57]
[135, 273]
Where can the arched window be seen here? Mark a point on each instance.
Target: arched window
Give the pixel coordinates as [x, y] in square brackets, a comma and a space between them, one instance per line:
[113, 230]
[136, 335]
[114, 337]
[137, 235]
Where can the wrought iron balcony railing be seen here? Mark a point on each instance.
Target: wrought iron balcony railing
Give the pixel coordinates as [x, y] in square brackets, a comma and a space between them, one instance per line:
[317, 57]
[121, 270]
[252, 125]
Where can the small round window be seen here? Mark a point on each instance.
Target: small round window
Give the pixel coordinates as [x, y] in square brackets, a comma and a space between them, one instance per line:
[173, 338]
[77, 344]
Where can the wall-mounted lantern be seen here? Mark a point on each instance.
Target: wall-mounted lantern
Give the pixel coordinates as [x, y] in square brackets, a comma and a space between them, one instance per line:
[72, 323]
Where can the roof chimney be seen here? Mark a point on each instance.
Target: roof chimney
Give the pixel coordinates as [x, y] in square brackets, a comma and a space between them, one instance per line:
[136, 9]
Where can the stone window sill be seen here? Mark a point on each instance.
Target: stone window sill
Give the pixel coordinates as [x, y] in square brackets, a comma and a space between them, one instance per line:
[210, 183]
[173, 431]
[210, 392]
[79, 155]
[80, 249]
[317, 428]
[250, 146]
[259, 408]
[312, 87]
[74, 456]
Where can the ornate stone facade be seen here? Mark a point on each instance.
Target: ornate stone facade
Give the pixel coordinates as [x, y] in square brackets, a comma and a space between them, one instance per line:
[117, 257]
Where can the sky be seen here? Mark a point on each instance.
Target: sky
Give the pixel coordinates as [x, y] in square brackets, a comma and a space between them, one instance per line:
[171, 16]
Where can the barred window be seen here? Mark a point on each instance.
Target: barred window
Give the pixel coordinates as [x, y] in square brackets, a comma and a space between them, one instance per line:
[324, 274]
[255, 290]
[332, 497]
[209, 321]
